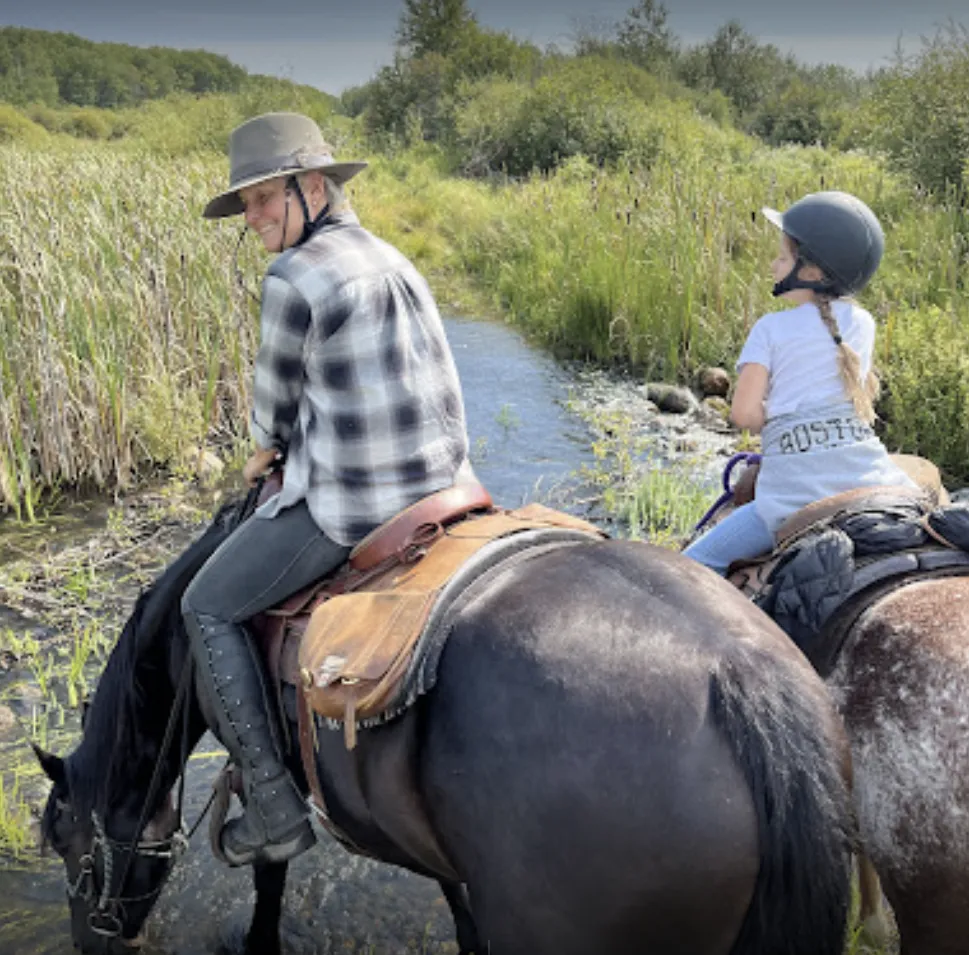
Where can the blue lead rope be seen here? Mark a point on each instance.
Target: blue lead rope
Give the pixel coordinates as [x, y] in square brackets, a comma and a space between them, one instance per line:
[748, 458]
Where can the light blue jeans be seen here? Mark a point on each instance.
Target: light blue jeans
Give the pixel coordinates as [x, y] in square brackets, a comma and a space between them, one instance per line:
[739, 536]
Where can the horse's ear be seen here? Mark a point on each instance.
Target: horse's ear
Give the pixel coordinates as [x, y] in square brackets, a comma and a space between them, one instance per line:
[52, 765]
[85, 706]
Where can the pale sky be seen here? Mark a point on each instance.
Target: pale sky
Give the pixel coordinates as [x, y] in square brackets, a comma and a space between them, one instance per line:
[333, 45]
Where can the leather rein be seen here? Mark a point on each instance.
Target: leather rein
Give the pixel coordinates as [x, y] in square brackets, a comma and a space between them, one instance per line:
[104, 919]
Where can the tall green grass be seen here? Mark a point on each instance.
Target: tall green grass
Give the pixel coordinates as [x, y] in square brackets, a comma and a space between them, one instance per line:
[129, 324]
[666, 269]
[128, 341]
[126, 337]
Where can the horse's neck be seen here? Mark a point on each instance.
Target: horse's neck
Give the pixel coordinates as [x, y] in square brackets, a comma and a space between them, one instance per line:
[128, 718]
[126, 723]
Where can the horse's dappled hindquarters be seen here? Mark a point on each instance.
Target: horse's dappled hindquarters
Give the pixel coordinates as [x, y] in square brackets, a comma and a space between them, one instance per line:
[620, 754]
[902, 685]
[873, 584]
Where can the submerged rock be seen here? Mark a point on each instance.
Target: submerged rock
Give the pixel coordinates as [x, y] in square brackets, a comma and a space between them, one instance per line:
[714, 382]
[671, 398]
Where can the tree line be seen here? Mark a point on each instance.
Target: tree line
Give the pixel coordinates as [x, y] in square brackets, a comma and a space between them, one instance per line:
[494, 104]
[57, 69]
[497, 104]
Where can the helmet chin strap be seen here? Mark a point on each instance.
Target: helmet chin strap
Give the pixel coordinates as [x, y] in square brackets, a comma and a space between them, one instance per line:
[282, 239]
[791, 282]
[310, 225]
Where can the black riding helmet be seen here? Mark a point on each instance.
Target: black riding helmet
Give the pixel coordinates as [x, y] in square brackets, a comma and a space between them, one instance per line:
[836, 232]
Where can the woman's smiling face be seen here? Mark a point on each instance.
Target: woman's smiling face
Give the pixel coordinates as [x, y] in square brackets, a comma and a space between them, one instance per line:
[269, 211]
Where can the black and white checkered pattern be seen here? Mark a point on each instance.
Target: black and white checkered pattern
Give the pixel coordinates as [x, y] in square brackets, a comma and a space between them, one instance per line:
[355, 381]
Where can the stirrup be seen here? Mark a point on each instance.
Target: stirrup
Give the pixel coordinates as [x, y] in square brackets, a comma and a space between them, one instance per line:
[303, 838]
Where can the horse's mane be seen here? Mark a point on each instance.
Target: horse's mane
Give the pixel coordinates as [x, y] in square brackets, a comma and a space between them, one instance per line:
[114, 743]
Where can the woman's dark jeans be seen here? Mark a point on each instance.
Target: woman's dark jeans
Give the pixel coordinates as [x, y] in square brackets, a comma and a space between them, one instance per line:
[264, 561]
[261, 563]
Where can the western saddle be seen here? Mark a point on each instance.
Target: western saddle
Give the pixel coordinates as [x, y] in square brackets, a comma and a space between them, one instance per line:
[751, 576]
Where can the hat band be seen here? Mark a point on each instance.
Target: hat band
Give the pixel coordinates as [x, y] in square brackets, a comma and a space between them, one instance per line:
[285, 163]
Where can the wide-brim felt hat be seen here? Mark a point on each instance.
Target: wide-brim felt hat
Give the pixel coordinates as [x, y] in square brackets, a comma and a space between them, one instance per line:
[272, 145]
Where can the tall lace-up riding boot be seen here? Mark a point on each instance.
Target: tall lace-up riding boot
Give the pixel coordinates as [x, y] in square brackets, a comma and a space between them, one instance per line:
[275, 824]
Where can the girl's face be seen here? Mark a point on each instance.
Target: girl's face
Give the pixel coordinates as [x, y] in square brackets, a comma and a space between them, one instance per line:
[782, 265]
[266, 213]
[786, 257]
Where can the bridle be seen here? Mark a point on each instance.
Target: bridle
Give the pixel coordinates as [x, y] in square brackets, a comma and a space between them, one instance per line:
[105, 919]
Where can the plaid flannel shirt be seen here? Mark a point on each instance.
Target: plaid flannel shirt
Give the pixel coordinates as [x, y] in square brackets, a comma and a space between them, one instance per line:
[355, 381]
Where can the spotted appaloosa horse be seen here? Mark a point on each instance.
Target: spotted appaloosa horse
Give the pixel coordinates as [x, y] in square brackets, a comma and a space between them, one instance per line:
[902, 686]
[621, 754]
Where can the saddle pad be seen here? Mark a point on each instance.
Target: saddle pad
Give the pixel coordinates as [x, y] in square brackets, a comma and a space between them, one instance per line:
[811, 517]
[358, 646]
[752, 576]
[833, 568]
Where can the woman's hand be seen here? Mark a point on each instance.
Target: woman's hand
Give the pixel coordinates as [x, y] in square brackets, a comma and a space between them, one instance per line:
[258, 463]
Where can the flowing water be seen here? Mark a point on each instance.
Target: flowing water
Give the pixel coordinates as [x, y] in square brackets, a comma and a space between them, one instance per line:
[527, 444]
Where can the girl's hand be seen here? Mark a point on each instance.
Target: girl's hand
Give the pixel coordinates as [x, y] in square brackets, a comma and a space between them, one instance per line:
[258, 464]
[747, 407]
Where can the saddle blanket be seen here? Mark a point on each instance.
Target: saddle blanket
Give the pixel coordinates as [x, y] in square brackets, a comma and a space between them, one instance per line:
[825, 573]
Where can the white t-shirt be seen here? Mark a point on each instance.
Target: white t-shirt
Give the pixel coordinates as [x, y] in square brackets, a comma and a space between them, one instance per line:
[799, 353]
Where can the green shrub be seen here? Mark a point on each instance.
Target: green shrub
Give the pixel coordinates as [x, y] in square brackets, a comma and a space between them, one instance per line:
[588, 106]
[918, 113]
[795, 114]
[926, 388]
[47, 116]
[412, 100]
[418, 96]
[182, 124]
[716, 105]
[17, 128]
[88, 124]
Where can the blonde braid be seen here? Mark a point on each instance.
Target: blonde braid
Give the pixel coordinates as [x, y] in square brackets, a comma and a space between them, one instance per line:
[862, 394]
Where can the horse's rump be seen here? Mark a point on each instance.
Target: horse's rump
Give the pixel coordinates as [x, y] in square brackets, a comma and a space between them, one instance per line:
[641, 710]
[605, 759]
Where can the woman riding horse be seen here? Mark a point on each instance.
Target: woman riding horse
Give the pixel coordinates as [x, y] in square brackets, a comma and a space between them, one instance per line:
[620, 754]
[356, 387]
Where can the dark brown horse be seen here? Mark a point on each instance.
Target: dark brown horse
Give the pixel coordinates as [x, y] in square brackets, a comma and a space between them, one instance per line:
[621, 754]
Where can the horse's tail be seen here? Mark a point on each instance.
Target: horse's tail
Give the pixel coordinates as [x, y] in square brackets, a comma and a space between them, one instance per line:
[794, 770]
